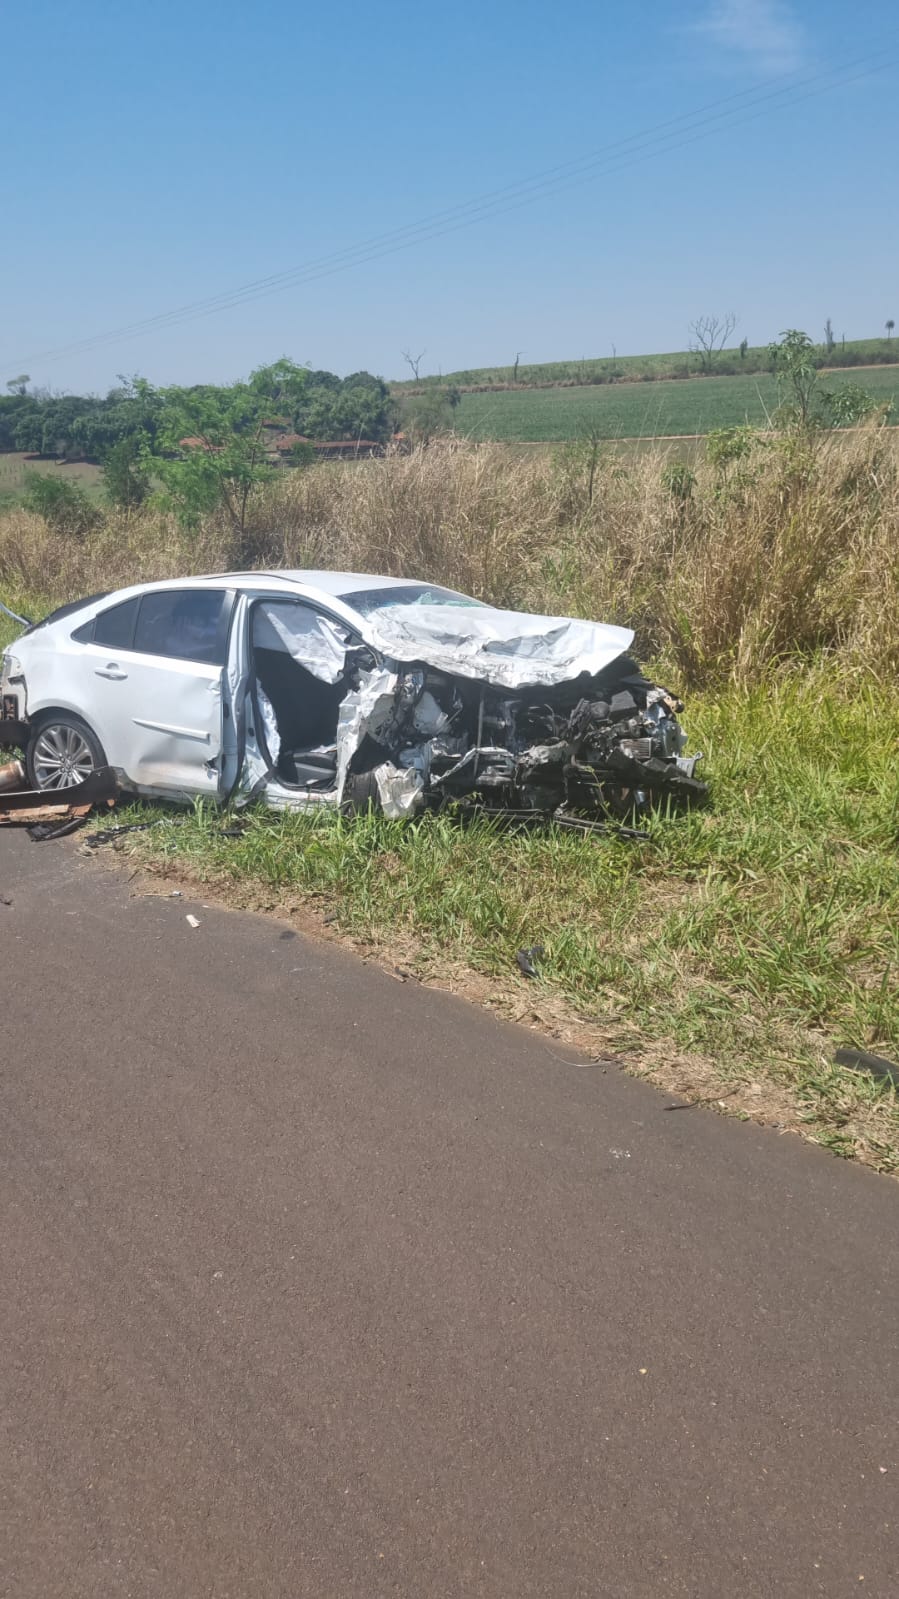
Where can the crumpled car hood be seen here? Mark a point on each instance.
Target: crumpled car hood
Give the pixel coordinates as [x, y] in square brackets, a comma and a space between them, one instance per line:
[506, 649]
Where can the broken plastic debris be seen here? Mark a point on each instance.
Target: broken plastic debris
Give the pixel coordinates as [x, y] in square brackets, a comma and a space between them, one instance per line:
[191, 921]
[859, 1060]
[527, 959]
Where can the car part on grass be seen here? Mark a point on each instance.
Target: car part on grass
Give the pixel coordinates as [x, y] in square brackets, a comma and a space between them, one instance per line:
[22, 620]
[44, 832]
[527, 960]
[109, 834]
[859, 1060]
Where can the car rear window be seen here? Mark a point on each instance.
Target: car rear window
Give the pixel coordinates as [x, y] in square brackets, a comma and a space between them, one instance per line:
[367, 600]
[115, 627]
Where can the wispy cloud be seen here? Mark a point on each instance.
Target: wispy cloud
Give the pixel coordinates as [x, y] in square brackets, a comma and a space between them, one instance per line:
[762, 33]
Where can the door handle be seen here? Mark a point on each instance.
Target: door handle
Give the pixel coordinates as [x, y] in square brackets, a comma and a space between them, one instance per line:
[113, 672]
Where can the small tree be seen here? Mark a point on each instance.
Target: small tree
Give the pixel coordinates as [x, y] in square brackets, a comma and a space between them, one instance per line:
[414, 361]
[849, 404]
[723, 446]
[744, 346]
[889, 325]
[792, 359]
[211, 450]
[126, 479]
[20, 384]
[829, 340]
[679, 481]
[710, 334]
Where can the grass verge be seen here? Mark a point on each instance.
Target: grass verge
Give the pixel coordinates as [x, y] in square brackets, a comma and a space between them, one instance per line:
[727, 958]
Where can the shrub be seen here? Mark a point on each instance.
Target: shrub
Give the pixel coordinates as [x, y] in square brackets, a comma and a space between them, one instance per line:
[125, 478]
[63, 504]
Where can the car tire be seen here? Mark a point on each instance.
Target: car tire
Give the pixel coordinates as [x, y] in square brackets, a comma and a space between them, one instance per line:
[62, 751]
[360, 795]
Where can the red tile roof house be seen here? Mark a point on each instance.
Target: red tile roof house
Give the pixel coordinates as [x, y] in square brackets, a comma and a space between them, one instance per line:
[194, 443]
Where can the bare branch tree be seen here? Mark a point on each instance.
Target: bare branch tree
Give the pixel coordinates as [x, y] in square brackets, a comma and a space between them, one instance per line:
[414, 361]
[518, 355]
[710, 334]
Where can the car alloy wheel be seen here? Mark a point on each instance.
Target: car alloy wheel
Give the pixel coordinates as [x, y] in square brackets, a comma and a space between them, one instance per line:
[62, 756]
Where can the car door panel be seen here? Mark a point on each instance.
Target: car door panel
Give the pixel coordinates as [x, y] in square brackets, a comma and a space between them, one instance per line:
[160, 721]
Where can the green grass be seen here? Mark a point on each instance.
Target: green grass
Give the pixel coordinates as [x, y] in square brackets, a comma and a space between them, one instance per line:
[641, 410]
[754, 937]
[603, 368]
[15, 465]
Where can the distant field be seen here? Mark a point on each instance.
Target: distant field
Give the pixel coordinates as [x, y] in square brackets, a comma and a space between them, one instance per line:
[13, 468]
[641, 410]
[674, 363]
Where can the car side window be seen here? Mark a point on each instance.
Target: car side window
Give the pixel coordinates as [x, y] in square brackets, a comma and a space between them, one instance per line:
[114, 628]
[183, 623]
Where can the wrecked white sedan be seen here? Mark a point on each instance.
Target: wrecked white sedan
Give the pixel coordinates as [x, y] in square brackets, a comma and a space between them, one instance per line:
[335, 688]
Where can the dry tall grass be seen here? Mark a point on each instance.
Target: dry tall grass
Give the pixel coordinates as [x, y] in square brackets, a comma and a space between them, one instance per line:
[795, 551]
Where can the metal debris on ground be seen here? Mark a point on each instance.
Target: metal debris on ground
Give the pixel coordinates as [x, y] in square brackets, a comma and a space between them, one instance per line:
[859, 1060]
[527, 959]
[108, 835]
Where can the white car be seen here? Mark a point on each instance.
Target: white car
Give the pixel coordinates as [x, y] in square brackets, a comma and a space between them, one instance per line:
[336, 688]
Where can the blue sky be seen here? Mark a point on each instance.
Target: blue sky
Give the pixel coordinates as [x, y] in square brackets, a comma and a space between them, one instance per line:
[162, 154]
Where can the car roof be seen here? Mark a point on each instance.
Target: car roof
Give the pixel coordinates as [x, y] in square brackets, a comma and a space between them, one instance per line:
[338, 585]
[335, 586]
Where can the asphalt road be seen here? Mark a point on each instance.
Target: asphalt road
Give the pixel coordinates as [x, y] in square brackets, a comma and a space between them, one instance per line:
[314, 1283]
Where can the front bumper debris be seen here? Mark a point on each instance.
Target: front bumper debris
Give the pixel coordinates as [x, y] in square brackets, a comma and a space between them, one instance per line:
[28, 807]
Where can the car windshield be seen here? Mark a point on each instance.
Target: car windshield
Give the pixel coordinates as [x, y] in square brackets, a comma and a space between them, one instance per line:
[367, 600]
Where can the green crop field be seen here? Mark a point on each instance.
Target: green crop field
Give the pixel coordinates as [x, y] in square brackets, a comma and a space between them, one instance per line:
[642, 410]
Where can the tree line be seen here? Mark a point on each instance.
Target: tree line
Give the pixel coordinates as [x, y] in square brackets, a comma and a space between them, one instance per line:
[317, 405]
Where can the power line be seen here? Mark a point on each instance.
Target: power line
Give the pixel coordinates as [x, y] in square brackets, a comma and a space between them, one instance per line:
[689, 128]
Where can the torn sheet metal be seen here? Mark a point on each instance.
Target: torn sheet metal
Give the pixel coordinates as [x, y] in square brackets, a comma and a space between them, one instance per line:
[314, 641]
[401, 792]
[269, 723]
[507, 649]
[367, 711]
